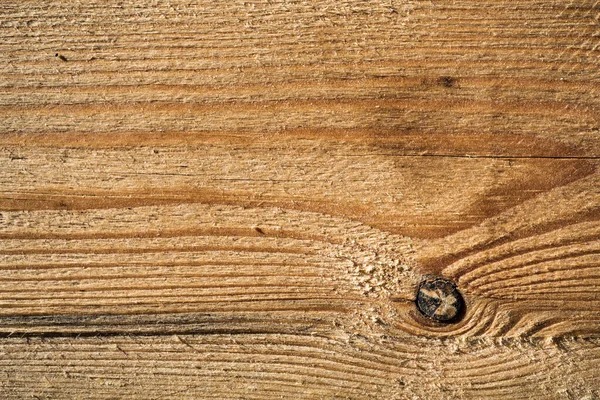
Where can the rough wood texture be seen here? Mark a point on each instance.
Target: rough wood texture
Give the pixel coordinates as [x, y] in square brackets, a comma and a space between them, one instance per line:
[237, 200]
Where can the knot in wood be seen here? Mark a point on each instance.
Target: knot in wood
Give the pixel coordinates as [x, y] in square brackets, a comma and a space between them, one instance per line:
[439, 299]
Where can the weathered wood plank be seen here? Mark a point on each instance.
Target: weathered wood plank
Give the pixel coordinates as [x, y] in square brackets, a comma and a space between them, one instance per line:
[239, 199]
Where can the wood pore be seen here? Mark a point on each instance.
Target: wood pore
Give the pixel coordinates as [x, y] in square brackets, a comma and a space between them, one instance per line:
[238, 199]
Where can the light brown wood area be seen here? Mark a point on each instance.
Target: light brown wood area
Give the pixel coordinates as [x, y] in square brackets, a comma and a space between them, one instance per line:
[238, 199]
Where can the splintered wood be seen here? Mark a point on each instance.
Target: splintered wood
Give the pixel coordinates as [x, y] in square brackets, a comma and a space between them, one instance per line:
[239, 200]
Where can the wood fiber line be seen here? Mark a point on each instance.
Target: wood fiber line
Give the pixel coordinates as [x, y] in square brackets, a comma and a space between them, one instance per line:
[317, 366]
[306, 42]
[226, 199]
[318, 274]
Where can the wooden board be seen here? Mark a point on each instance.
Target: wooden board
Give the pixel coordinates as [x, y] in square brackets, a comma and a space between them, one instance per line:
[238, 200]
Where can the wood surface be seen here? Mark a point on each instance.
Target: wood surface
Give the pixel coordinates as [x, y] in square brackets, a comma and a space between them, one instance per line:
[238, 199]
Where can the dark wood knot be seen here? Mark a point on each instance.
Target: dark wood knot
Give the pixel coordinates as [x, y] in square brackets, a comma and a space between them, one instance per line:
[439, 299]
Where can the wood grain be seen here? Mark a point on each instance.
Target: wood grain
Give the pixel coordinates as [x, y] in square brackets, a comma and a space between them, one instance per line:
[238, 200]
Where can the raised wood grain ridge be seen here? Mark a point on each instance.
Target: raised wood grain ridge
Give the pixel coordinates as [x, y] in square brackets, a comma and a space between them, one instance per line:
[238, 200]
